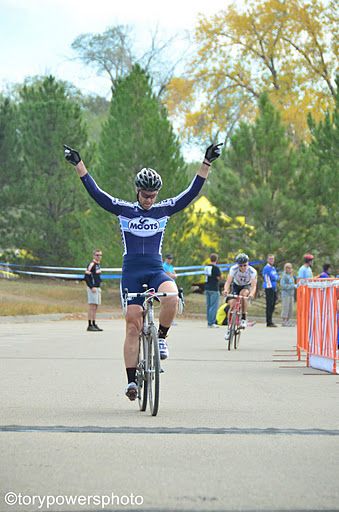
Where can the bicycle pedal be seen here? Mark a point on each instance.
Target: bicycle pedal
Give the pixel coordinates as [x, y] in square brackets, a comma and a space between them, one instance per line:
[162, 370]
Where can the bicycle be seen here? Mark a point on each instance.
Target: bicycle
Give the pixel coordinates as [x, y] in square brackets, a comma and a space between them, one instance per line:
[148, 367]
[234, 320]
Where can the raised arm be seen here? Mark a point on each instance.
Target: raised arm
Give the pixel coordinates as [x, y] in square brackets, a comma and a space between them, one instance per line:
[180, 202]
[212, 153]
[103, 199]
[73, 157]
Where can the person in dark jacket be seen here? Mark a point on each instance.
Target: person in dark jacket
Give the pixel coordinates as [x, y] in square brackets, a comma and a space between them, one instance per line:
[212, 278]
[93, 282]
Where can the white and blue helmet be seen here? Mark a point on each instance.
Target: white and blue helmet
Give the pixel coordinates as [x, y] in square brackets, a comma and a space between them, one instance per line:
[148, 179]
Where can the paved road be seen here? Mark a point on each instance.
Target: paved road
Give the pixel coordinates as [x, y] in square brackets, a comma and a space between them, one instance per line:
[247, 430]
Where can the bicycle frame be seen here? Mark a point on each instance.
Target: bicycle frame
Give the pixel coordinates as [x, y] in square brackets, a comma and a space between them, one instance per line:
[234, 319]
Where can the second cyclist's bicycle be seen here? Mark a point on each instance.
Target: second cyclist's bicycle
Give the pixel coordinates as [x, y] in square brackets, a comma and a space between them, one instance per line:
[234, 321]
[148, 367]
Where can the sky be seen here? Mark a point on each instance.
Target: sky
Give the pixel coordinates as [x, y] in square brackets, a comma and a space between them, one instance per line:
[36, 35]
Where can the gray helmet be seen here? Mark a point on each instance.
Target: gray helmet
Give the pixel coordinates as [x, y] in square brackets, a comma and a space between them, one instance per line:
[148, 179]
[242, 258]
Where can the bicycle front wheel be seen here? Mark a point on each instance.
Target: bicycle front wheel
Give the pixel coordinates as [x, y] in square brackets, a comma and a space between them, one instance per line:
[141, 374]
[153, 370]
[236, 340]
[232, 329]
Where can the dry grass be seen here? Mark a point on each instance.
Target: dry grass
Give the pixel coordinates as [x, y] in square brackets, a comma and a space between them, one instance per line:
[38, 296]
[35, 296]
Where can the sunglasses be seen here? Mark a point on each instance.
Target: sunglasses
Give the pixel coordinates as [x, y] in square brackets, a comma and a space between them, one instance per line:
[243, 264]
[144, 195]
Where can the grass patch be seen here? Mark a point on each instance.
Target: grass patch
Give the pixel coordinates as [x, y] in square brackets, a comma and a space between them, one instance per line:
[44, 296]
[36, 296]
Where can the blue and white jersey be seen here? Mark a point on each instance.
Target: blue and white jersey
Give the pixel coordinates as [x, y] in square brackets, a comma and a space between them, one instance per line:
[142, 231]
[270, 276]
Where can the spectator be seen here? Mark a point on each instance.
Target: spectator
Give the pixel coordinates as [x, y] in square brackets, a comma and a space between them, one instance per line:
[212, 276]
[168, 266]
[93, 281]
[287, 286]
[305, 271]
[271, 277]
[326, 271]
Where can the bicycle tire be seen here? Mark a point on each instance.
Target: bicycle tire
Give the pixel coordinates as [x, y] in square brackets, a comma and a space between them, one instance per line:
[236, 331]
[141, 374]
[236, 338]
[232, 330]
[153, 370]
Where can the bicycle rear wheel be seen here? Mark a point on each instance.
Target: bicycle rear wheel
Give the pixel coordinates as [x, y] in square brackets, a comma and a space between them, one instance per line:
[141, 374]
[153, 370]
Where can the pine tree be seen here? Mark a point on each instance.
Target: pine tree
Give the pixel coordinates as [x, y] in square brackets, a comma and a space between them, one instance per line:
[52, 202]
[10, 164]
[137, 134]
[319, 188]
[257, 180]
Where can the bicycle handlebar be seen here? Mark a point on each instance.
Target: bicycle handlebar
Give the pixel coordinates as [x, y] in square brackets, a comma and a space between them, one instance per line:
[150, 294]
[231, 296]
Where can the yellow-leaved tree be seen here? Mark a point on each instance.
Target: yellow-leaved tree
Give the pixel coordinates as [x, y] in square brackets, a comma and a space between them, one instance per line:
[288, 49]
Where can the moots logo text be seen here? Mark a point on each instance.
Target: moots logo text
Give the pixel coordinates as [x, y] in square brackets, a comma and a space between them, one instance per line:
[144, 226]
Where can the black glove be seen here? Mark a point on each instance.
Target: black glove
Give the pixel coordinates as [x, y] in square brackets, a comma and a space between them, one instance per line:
[71, 155]
[213, 152]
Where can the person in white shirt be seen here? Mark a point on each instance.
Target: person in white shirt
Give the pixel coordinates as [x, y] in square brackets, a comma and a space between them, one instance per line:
[241, 280]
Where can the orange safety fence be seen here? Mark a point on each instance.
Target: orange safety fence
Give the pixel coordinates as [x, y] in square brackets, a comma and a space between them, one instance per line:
[317, 322]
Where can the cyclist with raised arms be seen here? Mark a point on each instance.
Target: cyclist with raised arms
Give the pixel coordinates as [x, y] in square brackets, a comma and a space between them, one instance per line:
[142, 226]
[241, 280]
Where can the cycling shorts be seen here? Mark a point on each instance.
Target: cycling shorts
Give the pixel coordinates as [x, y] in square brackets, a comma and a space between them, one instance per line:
[236, 288]
[142, 269]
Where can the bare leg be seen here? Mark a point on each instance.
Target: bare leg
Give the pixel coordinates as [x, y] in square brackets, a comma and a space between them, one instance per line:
[91, 311]
[231, 303]
[95, 308]
[169, 305]
[133, 328]
[244, 293]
